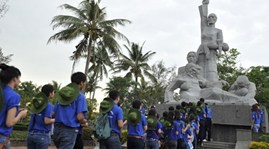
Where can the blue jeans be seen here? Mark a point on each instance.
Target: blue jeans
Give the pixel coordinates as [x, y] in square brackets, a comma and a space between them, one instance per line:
[113, 142]
[3, 141]
[64, 137]
[37, 140]
[256, 128]
[152, 144]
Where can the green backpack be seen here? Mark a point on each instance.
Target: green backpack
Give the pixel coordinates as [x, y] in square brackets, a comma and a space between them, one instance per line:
[102, 128]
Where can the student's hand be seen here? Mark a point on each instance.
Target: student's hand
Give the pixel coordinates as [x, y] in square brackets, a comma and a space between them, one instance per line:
[125, 122]
[85, 124]
[23, 113]
[188, 126]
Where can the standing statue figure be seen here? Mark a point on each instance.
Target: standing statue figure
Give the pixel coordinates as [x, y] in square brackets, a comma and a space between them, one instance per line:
[212, 40]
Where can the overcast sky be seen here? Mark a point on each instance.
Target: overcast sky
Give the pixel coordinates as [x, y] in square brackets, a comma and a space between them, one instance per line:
[169, 27]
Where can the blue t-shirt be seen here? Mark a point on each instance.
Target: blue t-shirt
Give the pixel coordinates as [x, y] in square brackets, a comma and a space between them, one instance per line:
[37, 121]
[201, 115]
[115, 115]
[195, 128]
[208, 112]
[138, 129]
[262, 115]
[181, 125]
[186, 134]
[67, 115]
[154, 133]
[256, 116]
[11, 100]
[172, 132]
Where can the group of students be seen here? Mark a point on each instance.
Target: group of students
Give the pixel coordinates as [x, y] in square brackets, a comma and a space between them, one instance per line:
[183, 127]
[180, 128]
[68, 115]
[257, 118]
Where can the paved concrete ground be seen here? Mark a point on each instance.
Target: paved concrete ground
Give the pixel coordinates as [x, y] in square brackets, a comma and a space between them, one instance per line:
[53, 147]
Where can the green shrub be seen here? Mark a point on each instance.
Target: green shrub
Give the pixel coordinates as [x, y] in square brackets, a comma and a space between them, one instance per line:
[87, 133]
[264, 138]
[19, 135]
[259, 145]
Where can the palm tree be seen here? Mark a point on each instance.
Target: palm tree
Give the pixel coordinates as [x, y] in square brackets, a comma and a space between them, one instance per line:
[136, 63]
[89, 22]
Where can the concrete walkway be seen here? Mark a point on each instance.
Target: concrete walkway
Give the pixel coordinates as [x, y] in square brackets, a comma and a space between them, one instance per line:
[53, 147]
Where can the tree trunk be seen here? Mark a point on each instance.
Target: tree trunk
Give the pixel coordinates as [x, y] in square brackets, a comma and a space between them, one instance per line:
[88, 57]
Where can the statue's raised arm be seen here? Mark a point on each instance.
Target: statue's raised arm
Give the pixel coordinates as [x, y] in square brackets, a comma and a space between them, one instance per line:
[203, 13]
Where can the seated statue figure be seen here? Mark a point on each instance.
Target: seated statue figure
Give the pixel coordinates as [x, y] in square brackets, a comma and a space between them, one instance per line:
[242, 87]
[188, 80]
[241, 91]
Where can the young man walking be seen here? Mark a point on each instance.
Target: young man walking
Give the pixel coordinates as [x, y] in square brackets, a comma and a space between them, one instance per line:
[115, 121]
[41, 119]
[137, 125]
[69, 112]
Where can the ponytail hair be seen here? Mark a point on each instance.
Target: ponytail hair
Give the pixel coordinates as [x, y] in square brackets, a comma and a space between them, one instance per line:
[7, 73]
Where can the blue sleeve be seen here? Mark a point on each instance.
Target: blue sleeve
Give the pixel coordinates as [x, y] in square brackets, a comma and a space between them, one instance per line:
[14, 102]
[55, 107]
[144, 120]
[176, 126]
[159, 125]
[253, 115]
[119, 114]
[196, 127]
[48, 111]
[81, 104]
[189, 131]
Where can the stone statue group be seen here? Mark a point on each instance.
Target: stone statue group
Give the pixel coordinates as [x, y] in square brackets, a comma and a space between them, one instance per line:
[199, 78]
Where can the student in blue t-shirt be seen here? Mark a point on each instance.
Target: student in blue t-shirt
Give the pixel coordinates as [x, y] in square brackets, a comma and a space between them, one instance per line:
[181, 124]
[188, 134]
[40, 122]
[153, 134]
[195, 130]
[136, 127]
[202, 117]
[69, 112]
[208, 123]
[116, 123]
[10, 113]
[172, 132]
[256, 118]
[262, 117]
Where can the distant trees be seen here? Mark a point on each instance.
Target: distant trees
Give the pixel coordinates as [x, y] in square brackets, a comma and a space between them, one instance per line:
[3, 8]
[4, 59]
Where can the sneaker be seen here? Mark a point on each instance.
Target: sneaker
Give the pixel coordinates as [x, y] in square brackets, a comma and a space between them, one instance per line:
[204, 140]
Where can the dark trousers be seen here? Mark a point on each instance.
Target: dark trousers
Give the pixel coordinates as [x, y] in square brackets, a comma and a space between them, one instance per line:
[194, 143]
[135, 143]
[171, 144]
[208, 125]
[181, 144]
[79, 142]
[201, 132]
[64, 137]
[113, 142]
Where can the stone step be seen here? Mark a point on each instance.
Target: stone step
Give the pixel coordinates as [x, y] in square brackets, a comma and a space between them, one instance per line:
[218, 145]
